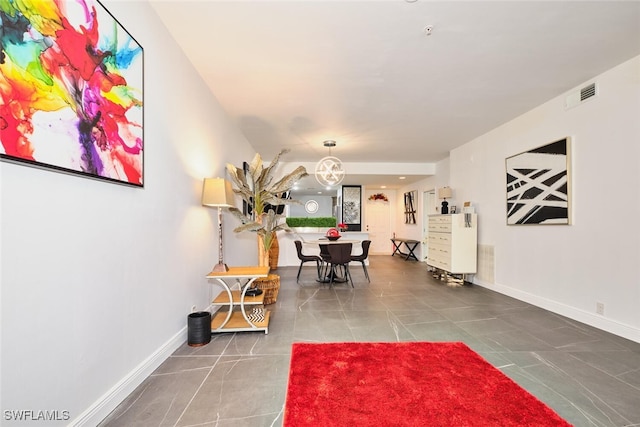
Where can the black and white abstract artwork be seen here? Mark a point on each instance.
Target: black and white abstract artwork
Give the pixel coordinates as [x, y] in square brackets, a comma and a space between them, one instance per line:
[352, 206]
[410, 207]
[538, 185]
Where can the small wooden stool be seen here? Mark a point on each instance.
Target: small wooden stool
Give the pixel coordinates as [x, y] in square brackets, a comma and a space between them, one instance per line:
[270, 285]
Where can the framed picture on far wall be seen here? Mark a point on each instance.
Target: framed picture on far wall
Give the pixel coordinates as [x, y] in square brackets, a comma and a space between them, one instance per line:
[539, 185]
[410, 207]
[352, 207]
[73, 91]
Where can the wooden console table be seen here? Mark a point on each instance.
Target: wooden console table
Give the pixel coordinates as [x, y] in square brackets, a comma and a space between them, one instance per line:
[410, 244]
[239, 320]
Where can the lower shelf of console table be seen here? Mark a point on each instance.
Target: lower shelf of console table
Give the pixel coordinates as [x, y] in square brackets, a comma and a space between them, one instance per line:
[237, 311]
[237, 323]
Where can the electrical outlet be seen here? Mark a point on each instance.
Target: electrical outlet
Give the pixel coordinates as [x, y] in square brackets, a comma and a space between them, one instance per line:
[193, 308]
[599, 308]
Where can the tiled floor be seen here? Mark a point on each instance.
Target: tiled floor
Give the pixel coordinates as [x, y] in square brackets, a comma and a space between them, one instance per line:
[591, 378]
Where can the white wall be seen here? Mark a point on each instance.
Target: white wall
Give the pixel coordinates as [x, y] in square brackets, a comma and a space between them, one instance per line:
[325, 206]
[568, 269]
[97, 279]
[415, 231]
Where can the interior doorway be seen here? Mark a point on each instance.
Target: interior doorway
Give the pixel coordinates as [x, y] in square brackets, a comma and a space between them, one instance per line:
[429, 208]
[378, 225]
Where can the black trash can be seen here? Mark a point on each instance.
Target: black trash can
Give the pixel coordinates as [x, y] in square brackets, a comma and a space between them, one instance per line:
[199, 328]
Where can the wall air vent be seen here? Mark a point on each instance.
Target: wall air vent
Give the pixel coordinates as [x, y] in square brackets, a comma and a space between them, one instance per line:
[578, 97]
[587, 92]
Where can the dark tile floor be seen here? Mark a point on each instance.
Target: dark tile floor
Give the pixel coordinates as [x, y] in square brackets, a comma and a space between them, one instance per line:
[590, 377]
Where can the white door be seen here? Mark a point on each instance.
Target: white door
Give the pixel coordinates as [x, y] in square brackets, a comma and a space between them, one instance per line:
[379, 227]
[429, 208]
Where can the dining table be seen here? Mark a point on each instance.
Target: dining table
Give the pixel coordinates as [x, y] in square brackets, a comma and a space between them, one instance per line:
[331, 242]
[332, 274]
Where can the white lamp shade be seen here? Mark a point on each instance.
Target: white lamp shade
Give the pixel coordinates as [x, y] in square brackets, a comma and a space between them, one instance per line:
[445, 193]
[217, 192]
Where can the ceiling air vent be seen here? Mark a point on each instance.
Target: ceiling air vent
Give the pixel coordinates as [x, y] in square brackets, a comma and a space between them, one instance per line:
[578, 97]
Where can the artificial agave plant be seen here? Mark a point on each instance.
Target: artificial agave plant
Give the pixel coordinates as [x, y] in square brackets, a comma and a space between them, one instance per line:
[258, 190]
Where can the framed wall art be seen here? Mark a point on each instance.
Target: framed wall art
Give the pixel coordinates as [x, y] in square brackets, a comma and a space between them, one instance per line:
[410, 207]
[539, 185]
[352, 207]
[72, 91]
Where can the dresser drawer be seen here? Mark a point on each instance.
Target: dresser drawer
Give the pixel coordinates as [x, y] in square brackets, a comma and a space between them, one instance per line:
[439, 263]
[442, 227]
[440, 252]
[437, 238]
[440, 219]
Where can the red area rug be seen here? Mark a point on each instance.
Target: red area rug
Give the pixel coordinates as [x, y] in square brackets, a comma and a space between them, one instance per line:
[405, 384]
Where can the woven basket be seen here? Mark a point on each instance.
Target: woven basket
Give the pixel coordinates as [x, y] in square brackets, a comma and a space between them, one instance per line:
[274, 253]
[270, 285]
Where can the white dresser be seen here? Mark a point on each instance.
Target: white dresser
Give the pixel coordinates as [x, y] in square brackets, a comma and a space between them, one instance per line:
[453, 243]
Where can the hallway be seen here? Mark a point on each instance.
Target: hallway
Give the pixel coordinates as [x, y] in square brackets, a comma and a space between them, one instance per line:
[589, 377]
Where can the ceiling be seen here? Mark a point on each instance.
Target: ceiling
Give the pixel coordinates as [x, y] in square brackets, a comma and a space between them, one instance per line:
[367, 74]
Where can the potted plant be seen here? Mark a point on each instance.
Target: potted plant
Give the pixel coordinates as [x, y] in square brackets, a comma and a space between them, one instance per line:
[257, 189]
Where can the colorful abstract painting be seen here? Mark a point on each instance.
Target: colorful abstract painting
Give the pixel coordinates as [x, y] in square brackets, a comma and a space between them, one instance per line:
[538, 185]
[71, 82]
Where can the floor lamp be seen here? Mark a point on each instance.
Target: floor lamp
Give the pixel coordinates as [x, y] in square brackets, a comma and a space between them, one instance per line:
[217, 192]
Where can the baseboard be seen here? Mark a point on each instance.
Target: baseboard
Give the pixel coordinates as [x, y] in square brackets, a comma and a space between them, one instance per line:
[99, 410]
[591, 319]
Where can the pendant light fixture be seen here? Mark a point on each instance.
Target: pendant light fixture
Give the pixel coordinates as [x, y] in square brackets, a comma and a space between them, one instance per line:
[329, 170]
